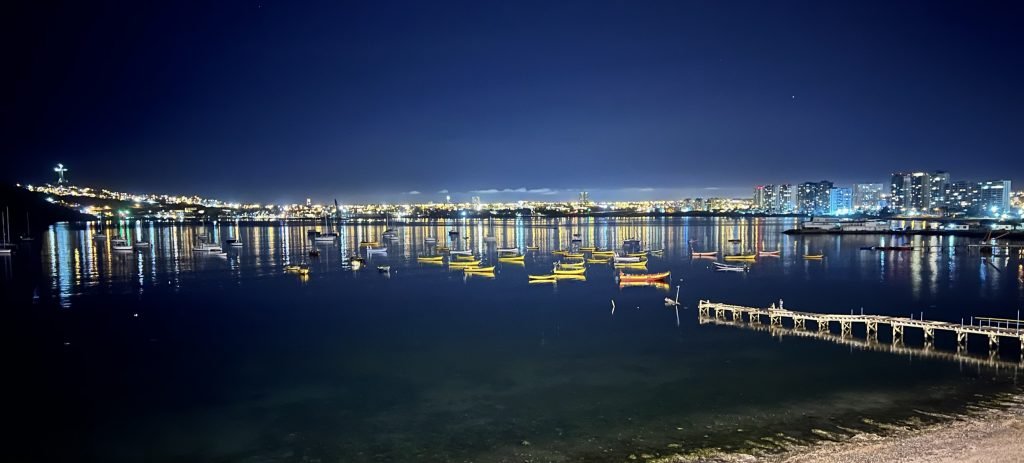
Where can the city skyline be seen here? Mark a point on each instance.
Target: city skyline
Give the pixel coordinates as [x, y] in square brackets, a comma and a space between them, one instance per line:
[276, 101]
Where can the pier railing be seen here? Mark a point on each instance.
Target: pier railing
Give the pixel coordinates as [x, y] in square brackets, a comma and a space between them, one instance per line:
[992, 329]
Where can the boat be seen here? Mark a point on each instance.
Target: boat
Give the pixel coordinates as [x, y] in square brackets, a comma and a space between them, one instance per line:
[120, 244]
[452, 234]
[703, 254]
[389, 234]
[588, 249]
[814, 256]
[532, 248]
[637, 254]
[142, 244]
[430, 240]
[364, 244]
[741, 257]
[573, 255]
[461, 253]
[574, 271]
[206, 247]
[550, 277]
[463, 257]
[638, 265]
[626, 259]
[769, 253]
[5, 247]
[734, 240]
[643, 277]
[559, 252]
[99, 236]
[598, 261]
[325, 237]
[372, 250]
[571, 266]
[507, 250]
[490, 239]
[731, 269]
[234, 243]
[384, 268]
[314, 252]
[479, 269]
[661, 285]
[297, 269]
[602, 253]
[442, 249]
[430, 258]
[631, 242]
[517, 258]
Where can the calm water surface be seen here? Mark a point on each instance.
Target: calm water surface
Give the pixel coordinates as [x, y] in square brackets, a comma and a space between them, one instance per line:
[164, 354]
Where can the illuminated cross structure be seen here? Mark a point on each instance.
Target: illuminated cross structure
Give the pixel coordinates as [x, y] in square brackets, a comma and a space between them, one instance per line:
[60, 169]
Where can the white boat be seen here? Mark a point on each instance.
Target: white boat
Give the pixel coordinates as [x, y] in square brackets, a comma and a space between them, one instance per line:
[508, 249]
[120, 244]
[389, 234]
[626, 259]
[729, 268]
[325, 238]
[430, 240]
[490, 239]
[461, 253]
[5, 248]
[233, 243]
[99, 236]
[142, 244]
[207, 247]
[371, 250]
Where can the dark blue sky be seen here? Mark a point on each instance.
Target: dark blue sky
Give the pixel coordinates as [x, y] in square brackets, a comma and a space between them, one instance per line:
[275, 100]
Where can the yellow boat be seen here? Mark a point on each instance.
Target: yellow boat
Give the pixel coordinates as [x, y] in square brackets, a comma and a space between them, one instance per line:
[642, 265]
[479, 269]
[299, 269]
[463, 258]
[540, 282]
[597, 261]
[577, 255]
[637, 254]
[569, 271]
[575, 265]
[430, 258]
[442, 249]
[741, 257]
[602, 253]
[559, 253]
[368, 243]
[510, 258]
[464, 263]
[814, 256]
[542, 277]
[588, 249]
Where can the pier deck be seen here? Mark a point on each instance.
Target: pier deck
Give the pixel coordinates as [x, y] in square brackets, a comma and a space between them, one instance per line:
[994, 331]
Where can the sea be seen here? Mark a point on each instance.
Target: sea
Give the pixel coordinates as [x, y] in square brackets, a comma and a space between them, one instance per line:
[166, 354]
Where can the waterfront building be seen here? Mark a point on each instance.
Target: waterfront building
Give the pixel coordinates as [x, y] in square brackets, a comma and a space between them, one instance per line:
[918, 192]
[867, 197]
[840, 201]
[962, 198]
[813, 197]
[994, 197]
[774, 199]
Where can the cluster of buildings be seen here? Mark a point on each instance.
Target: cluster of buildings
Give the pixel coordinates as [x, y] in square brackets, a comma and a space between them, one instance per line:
[931, 194]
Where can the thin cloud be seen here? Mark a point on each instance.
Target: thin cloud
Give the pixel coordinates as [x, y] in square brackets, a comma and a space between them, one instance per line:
[413, 192]
[442, 192]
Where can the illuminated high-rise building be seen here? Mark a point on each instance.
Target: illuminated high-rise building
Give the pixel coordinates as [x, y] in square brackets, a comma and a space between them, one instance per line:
[867, 197]
[812, 198]
[840, 201]
[994, 197]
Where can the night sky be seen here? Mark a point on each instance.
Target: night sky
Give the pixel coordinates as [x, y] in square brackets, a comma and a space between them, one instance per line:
[377, 100]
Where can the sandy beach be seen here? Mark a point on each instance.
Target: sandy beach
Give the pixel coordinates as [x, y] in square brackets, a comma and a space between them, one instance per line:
[994, 435]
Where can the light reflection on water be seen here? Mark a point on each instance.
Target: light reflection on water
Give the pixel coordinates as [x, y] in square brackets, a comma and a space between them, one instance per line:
[465, 368]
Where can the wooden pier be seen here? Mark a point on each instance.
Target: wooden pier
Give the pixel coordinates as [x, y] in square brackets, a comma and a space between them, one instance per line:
[993, 329]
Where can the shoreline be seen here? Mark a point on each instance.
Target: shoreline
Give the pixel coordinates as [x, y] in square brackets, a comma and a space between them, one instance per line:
[992, 434]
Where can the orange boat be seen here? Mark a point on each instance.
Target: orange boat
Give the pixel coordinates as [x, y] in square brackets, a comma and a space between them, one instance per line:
[642, 277]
